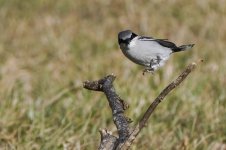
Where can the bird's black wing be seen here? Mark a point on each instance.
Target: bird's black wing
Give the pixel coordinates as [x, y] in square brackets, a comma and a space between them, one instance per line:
[146, 38]
[166, 43]
[162, 42]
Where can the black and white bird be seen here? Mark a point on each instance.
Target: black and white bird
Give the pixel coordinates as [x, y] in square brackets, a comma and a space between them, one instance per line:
[147, 51]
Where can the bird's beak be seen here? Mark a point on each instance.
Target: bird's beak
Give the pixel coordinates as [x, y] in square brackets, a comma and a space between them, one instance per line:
[123, 46]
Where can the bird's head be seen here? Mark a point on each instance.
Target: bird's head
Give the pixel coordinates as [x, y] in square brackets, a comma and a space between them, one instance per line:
[125, 37]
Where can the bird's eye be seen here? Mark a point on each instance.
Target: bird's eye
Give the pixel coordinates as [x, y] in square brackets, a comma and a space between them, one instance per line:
[127, 41]
[123, 41]
[120, 40]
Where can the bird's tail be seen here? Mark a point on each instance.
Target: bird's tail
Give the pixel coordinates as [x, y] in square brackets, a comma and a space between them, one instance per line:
[183, 47]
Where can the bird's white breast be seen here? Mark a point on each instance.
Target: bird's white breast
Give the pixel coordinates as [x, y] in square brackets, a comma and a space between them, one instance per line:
[142, 52]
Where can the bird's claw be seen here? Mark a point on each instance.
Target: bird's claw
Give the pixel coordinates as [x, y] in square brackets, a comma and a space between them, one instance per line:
[148, 70]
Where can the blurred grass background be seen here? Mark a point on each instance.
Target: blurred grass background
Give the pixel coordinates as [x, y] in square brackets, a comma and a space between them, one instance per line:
[49, 47]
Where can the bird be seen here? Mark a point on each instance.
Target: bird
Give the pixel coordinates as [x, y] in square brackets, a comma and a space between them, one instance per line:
[152, 53]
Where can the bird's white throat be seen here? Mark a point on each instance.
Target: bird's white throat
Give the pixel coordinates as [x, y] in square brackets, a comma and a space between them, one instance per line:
[133, 42]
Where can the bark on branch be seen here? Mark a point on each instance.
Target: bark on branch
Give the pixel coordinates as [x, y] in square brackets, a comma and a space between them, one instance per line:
[125, 135]
[117, 106]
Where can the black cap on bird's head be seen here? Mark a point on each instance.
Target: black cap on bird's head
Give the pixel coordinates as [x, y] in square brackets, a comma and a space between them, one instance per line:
[125, 36]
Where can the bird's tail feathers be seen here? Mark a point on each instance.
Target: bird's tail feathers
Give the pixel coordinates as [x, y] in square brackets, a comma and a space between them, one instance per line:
[183, 47]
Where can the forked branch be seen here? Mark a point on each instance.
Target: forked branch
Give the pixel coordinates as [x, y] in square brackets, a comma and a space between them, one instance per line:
[125, 135]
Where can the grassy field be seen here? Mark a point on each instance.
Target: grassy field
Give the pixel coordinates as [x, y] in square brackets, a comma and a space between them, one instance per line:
[49, 47]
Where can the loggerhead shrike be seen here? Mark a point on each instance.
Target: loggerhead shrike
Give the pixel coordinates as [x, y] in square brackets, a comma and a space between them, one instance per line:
[147, 51]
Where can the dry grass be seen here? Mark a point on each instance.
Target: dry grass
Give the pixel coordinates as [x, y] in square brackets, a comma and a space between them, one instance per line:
[46, 46]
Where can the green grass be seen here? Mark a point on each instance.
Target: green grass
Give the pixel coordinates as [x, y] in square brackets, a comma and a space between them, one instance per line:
[48, 46]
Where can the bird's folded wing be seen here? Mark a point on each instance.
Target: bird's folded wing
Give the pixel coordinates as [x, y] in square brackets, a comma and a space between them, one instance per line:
[146, 38]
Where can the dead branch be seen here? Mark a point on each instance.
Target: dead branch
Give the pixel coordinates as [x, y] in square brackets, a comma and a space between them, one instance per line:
[125, 135]
[155, 103]
[117, 106]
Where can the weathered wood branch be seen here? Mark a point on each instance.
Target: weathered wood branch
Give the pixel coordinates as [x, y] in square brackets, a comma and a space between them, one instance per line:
[155, 103]
[125, 135]
[117, 106]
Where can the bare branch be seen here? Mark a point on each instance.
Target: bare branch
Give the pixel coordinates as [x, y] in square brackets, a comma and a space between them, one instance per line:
[155, 103]
[118, 106]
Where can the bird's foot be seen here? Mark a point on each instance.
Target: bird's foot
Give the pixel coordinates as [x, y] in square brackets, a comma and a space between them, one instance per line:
[148, 70]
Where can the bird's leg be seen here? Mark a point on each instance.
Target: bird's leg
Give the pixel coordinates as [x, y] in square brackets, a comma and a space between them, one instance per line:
[158, 59]
[150, 69]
